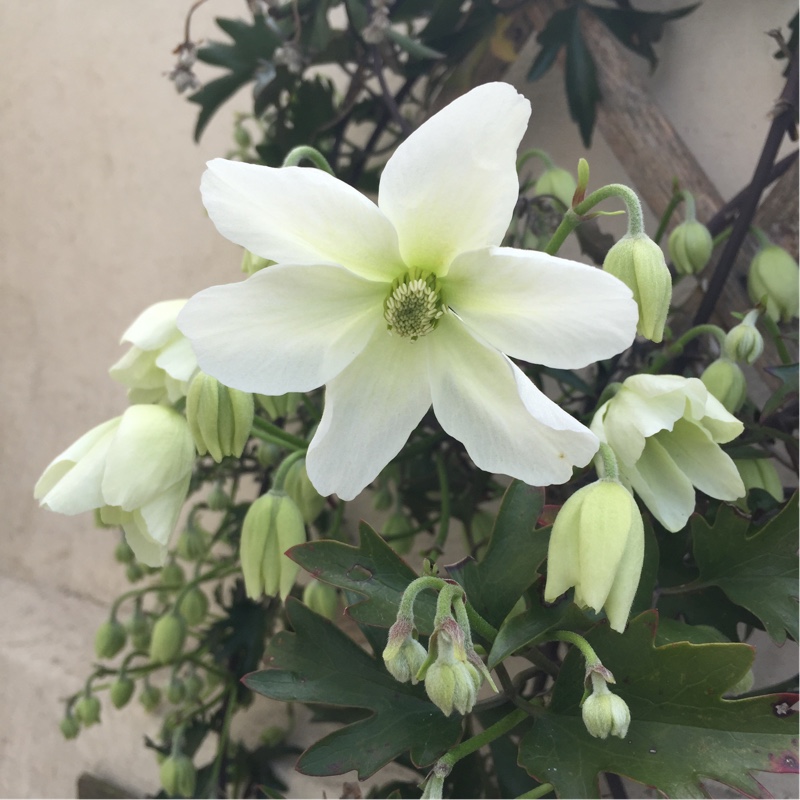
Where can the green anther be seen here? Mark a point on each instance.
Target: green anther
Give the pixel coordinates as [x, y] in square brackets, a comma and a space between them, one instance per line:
[413, 307]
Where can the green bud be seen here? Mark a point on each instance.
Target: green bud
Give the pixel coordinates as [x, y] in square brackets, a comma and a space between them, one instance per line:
[403, 655]
[760, 473]
[218, 499]
[268, 454]
[272, 525]
[279, 406]
[193, 541]
[301, 490]
[242, 137]
[773, 280]
[123, 553]
[690, 246]
[150, 697]
[726, 381]
[605, 713]
[252, 263]
[166, 643]
[178, 776]
[557, 182]
[70, 727]
[87, 710]
[744, 343]
[176, 691]
[639, 263]
[451, 681]
[109, 639]
[321, 598]
[193, 686]
[172, 576]
[139, 629]
[121, 691]
[134, 572]
[395, 529]
[193, 606]
[220, 418]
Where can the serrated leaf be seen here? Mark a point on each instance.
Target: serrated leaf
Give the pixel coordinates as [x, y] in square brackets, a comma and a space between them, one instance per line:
[318, 663]
[756, 569]
[681, 730]
[373, 570]
[580, 77]
[515, 552]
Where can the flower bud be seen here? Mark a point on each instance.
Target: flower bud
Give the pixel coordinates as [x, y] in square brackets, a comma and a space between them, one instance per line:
[134, 572]
[451, 681]
[773, 281]
[272, 525]
[760, 473]
[725, 380]
[690, 246]
[123, 553]
[109, 639]
[597, 546]
[398, 530]
[70, 727]
[556, 182]
[744, 343]
[87, 710]
[639, 263]
[403, 655]
[605, 713]
[220, 418]
[121, 691]
[176, 691]
[178, 776]
[218, 499]
[193, 606]
[150, 697]
[193, 542]
[297, 485]
[321, 598]
[172, 576]
[279, 406]
[139, 629]
[251, 263]
[166, 643]
[193, 686]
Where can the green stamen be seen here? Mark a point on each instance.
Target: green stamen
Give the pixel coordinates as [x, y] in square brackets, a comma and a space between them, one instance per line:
[414, 306]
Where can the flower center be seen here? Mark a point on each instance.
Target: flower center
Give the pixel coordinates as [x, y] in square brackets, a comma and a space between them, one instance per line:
[414, 306]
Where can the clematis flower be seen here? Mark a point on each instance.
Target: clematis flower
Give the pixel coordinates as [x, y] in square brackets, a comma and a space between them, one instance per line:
[409, 303]
[135, 469]
[665, 431]
[160, 363]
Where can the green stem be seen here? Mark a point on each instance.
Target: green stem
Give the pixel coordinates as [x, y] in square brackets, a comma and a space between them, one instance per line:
[676, 348]
[667, 215]
[406, 609]
[610, 466]
[283, 469]
[268, 432]
[535, 152]
[222, 743]
[480, 625]
[500, 728]
[304, 152]
[444, 602]
[576, 639]
[774, 331]
[539, 791]
[444, 515]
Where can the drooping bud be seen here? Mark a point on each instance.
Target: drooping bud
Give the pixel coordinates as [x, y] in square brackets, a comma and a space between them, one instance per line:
[279, 406]
[639, 263]
[150, 697]
[87, 710]
[743, 342]
[272, 525]
[193, 542]
[220, 418]
[557, 182]
[193, 685]
[297, 485]
[172, 576]
[403, 655]
[604, 712]
[321, 598]
[451, 681]
[178, 776]
[690, 246]
[169, 634]
[773, 280]
[70, 727]
[123, 552]
[109, 639]
[725, 380]
[176, 691]
[193, 606]
[760, 473]
[121, 691]
[218, 499]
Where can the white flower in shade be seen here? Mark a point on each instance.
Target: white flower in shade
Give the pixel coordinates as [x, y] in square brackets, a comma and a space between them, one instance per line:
[135, 469]
[409, 303]
[665, 431]
[161, 362]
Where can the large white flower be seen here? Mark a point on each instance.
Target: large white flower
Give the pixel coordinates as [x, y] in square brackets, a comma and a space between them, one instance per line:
[408, 303]
[135, 469]
[665, 431]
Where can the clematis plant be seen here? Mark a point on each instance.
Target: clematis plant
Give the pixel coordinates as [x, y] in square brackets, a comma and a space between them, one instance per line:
[414, 302]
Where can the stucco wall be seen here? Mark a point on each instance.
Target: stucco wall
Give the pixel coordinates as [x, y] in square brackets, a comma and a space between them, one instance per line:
[101, 217]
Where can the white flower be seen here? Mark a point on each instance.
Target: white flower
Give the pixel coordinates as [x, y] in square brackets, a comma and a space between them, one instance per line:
[135, 469]
[161, 362]
[665, 431]
[409, 303]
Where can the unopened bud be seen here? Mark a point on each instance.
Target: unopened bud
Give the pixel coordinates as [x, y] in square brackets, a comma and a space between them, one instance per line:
[321, 598]
[193, 685]
[192, 543]
[639, 263]
[605, 713]
[403, 655]
[773, 280]
[176, 691]
[220, 418]
[87, 710]
[760, 473]
[743, 342]
[726, 381]
[178, 776]
[109, 639]
[150, 697]
[298, 486]
[70, 727]
[166, 643]
[279, 406]
[172, 576]
[123, 553]
[121, 691]
[558, 183]
[690, 246]
[193, 606]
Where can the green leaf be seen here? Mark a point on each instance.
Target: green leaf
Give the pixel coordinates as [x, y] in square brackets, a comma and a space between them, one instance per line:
[756, 569]
[413, 47]
[515, 552]
[580, 78]
[213, 95]
[552, 38]
[681, 730]
[373, 570]
[318, 663]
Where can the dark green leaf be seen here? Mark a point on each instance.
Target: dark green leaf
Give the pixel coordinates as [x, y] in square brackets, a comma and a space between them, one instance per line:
[373, 570]
[755, 568]
[413, 47]
[213, 95]
[318, 663]
[681, 732]
[553, 37]
[515, 552]
[788, 376]
[580, 78]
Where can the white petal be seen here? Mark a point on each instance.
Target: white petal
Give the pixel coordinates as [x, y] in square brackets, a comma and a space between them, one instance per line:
[370, 410]
[71, 482]
[137, 370]
[300, 215]
[452, 185]
[702, 461]
[719, 422]
[151, 451]
[506, 424]
[177, 359]
[288, 328]
[664, 489]
[540, 308]
[155, 325]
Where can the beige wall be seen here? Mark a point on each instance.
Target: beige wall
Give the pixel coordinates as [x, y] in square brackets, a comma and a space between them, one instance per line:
[101, 217]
